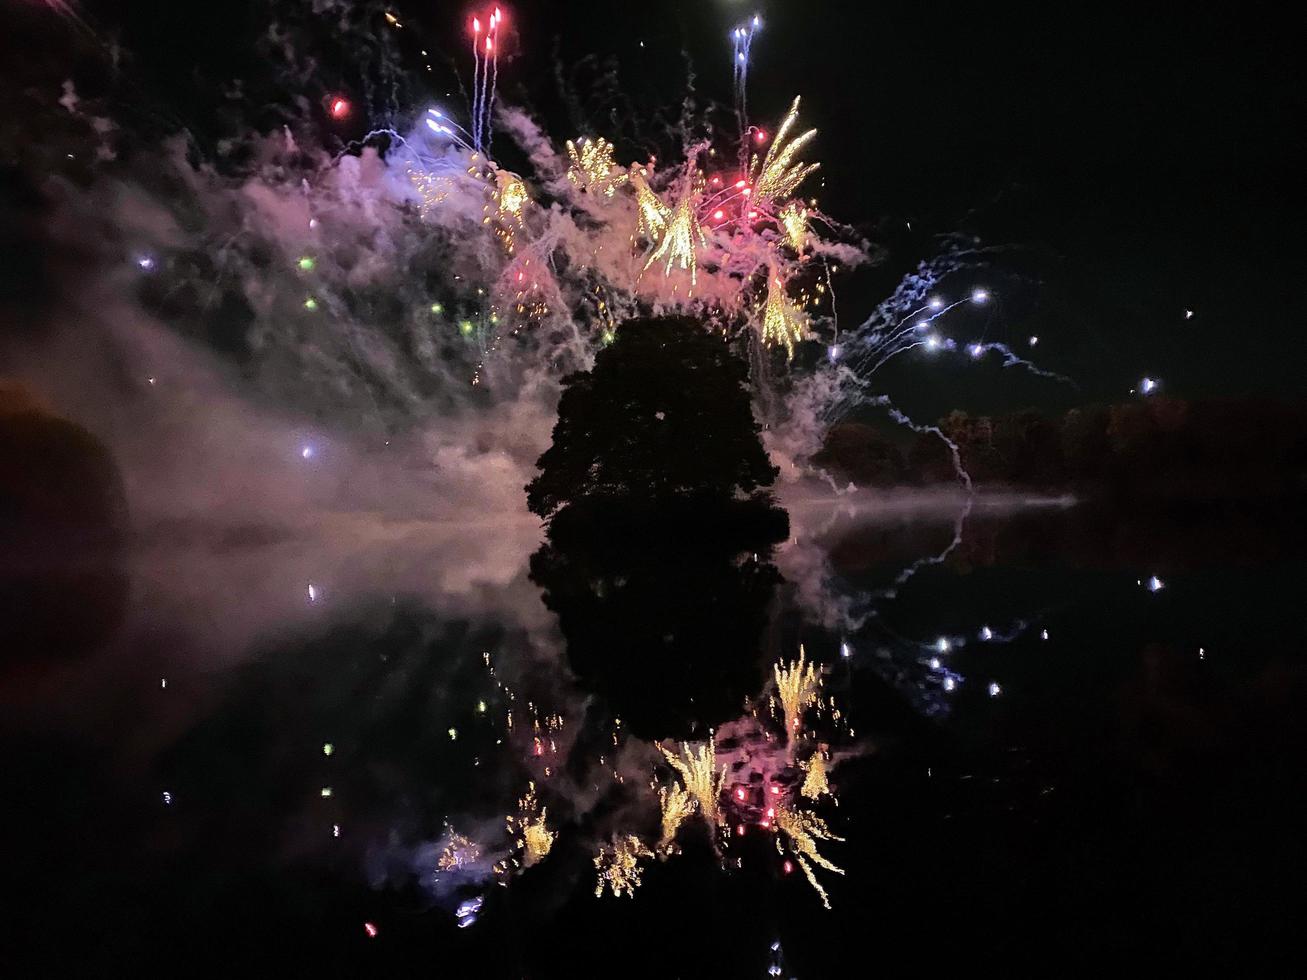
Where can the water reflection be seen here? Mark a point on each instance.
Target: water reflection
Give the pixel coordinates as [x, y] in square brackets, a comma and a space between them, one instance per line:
[662, 609]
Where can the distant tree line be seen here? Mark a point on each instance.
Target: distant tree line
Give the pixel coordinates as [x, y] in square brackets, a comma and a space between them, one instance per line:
[1219, 447]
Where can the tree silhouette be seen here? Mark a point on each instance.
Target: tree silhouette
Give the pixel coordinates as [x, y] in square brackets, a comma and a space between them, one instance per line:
[663, 413]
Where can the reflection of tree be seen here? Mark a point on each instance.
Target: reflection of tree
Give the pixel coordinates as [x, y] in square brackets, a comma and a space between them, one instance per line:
[662, 609]
[660, 531]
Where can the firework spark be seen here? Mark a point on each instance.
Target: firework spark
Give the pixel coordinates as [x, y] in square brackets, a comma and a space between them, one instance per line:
[592, 168]
[779, 176]
[459, 851]
[698, 771]
[805, 830]
[533, 835]
[676, 805]
[782, 322]
[651, 213]
[794, 219]
[681, 239]
[814, 781]
[798, 685]
[618, 866]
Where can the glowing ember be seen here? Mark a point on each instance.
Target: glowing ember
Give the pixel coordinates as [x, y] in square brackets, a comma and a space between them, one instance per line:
[618, 866]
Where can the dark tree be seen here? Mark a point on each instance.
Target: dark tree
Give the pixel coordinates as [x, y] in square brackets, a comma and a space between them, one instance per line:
[664, 413]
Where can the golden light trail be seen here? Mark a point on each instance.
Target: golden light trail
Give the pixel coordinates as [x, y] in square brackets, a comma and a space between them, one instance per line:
[592, 168]
[798, 686]
[651, 213]
[794, 219]
[782, 322]
[779, 175]
[512, 194]
[814, 780]
[681, 239]
[698, 771]
[459, 851]
[676, 805]
[618, 866]
[533, 835]
[805, 829]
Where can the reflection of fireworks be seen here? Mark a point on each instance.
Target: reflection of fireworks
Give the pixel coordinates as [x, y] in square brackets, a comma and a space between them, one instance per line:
[533, 835]
[805, 829]
[618, 865]
[676, 804]
[797, 685]
[698, 770]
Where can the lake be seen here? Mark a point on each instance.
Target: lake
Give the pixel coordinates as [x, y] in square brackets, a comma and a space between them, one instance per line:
[1053, 731]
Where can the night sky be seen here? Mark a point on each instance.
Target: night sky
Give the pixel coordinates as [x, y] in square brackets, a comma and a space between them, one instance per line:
[1130, 167]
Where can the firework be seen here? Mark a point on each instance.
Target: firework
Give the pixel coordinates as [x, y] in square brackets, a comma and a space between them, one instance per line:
[798, 685]
[592, 167]
[681, 239]
[533, 835]
[814, 780]
[676, 805]
[794, 219]
[805, 830]
[651, 213]
[617, 866]
[782, 322]
[779, 176]
[459, 851]
[698, 771]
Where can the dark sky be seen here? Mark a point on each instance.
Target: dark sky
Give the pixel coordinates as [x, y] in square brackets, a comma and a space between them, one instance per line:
[1137, 164]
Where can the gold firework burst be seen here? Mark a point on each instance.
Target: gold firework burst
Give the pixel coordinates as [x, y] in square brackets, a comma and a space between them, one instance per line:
[680, 239]
[459, 852]
[779, 175]
[618, 865]
[676, 805]
[592, 168]
[815, 783]
[798, 685]
[782, 322]
[651, 213]
[533, 835]
[698, 771]
[794, 219]
[804, 830]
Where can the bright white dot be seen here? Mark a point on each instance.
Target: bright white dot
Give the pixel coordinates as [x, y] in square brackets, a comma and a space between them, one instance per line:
[942, 644]
[313, 222]
[932, 343]
[453, 734]
[1155, 584]
[936, 303]
[306, 452]
[1034, 341]
[976, 350]
[994, 689]
[949, 683]
[979, 295]
[150, 380]
[326, 792]
[740, 56]
[833, 352]
[1043, 634]
[934, 663]
[845, 652]
[313, 593]
[145, 262]
[1202, 654]
[757, 21]
[1148, 385]
[986, 633]
[335, 830]
[163, 683]
[1188, 314]
[167, 799]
